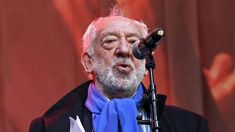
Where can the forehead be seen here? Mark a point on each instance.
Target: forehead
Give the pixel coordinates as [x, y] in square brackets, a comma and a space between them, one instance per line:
[118, 25]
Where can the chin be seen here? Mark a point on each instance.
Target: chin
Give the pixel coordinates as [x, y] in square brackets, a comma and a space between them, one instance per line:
[126, 84]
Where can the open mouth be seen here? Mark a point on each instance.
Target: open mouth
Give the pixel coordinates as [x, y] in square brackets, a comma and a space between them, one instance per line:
[126, 68]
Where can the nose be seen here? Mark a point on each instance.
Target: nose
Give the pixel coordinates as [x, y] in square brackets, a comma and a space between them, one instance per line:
[123, 49]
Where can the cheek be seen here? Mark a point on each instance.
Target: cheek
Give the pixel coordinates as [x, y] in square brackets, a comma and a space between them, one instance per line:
[103, 56]
[139, 63]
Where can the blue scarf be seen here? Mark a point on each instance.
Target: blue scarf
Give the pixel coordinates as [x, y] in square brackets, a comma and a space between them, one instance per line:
[116, 115]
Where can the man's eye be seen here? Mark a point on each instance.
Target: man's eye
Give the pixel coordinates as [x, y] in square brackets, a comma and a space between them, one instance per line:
[110, 41]
[132, 41]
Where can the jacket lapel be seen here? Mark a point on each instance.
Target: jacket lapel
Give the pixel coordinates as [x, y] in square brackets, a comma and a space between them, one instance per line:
[56, 119]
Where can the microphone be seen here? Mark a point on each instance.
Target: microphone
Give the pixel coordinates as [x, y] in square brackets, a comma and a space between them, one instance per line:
[147, 44]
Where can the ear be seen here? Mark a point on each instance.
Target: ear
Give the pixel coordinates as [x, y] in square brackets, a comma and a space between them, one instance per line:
[87, 62]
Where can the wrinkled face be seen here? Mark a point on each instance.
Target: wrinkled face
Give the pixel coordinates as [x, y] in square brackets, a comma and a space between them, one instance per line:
[117, 73]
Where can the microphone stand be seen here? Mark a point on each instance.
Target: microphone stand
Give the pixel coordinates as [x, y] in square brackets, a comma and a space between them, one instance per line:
[152, 98]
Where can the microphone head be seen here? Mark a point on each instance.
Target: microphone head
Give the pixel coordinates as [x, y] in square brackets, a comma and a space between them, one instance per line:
[146, 45]
[136, 52]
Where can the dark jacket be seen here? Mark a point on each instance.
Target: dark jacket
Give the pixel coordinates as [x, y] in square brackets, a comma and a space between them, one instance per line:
[56, 119]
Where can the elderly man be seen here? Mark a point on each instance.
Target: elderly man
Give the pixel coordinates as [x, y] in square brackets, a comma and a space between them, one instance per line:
[112, 99]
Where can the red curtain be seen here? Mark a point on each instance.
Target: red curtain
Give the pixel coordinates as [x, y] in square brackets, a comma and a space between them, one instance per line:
[40, 48]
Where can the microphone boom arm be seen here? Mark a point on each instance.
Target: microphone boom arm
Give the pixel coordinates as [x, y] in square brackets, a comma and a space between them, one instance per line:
[146, 46]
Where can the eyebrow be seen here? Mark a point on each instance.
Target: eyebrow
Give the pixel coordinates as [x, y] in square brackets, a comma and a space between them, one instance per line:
[129, 34]
[134, 35]
[108, 33]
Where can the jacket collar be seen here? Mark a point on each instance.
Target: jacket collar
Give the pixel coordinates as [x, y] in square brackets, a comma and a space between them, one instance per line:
[73, 103]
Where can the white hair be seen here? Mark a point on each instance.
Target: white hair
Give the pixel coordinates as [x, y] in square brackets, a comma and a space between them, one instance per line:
[89, 36]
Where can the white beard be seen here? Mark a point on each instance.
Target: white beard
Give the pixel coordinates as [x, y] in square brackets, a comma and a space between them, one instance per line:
[118, 81]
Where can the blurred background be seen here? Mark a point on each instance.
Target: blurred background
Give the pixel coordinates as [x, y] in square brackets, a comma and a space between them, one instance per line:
[40, 47]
